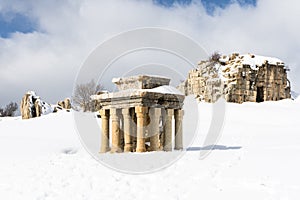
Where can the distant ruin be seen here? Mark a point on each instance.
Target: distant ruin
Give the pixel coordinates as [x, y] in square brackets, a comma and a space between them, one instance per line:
[141, 114]
[32, 106]
[239, 78]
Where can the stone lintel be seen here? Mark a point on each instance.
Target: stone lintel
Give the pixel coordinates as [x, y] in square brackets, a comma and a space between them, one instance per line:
[149, 99]
[140, 82]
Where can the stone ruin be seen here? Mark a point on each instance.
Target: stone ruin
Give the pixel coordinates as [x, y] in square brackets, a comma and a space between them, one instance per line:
[63, 105]
[32, 106]
[141, 115]
[239, 78]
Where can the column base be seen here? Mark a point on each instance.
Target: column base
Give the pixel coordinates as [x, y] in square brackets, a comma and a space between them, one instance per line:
[141, 150]
[116, 150]
[128, 148]
[178, 148]
[155, 146]
[155, 149]
[104, 150]
[167, 149]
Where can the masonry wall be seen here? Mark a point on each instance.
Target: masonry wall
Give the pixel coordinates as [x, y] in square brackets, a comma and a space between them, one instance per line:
[240, 84]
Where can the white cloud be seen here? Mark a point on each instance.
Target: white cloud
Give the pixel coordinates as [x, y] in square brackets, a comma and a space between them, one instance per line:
[47, 60]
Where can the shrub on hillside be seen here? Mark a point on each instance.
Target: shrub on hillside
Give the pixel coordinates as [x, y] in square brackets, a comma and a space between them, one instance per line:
[9, 110]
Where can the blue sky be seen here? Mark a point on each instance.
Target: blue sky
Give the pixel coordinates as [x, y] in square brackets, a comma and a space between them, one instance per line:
[209, 4]
[17, 22]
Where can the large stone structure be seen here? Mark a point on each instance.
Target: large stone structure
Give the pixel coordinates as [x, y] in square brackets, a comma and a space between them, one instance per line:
[31, 106]
[239, 78]
[141, 115]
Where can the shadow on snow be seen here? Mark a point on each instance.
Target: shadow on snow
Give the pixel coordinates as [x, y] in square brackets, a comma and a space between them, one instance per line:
[214, 147]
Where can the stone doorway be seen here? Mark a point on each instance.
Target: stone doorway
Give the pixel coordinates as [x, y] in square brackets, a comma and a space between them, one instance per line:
[260, 94]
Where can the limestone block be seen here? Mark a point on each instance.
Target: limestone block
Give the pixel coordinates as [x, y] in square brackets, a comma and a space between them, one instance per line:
[67, 103]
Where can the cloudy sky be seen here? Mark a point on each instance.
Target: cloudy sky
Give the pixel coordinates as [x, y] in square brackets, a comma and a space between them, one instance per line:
[44, 43]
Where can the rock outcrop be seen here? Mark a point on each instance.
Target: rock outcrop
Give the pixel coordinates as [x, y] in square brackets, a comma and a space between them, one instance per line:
[65, 104]
[32, 106]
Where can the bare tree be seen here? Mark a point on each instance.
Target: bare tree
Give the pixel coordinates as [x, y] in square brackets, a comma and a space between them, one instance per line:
[82, 95]
[9, 110]
[215, 57]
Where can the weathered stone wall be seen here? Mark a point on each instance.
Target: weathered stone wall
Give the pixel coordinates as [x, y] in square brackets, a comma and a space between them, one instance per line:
[268, 83]
[238, 82]
[204, 82]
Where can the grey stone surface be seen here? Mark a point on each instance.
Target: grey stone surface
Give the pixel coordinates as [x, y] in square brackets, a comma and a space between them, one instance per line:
[140, 82]
[237, 82]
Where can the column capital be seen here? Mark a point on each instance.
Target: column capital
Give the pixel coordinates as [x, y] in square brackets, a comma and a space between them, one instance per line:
[104, 113]
[126, 112]
[179, 112]
[169, 112]
[114, 114]
[113, 111]
[155, 111]
[141, 109]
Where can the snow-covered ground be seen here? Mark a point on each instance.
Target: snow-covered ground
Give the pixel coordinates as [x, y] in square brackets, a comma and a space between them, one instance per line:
[257, 157]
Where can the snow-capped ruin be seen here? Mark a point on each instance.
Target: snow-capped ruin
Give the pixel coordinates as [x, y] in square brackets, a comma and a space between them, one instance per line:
[138, 111]
[239, 78]
[32, 106]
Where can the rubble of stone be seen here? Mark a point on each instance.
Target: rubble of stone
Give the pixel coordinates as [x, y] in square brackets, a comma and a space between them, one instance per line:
[141, 112]
[32, 106]
[65, 104]
[239, 78]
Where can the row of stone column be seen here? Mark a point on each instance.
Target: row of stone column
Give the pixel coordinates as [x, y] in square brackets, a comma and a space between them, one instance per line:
[132, 127]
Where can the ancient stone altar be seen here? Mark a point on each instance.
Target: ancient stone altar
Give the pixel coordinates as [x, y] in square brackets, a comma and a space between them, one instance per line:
[141, 115]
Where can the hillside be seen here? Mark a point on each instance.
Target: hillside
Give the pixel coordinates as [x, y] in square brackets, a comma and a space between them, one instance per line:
[257, 157]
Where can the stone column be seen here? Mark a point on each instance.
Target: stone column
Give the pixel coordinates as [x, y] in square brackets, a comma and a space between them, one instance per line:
[127, 130]
[168, 130]
[163, 121]
[121, 130]
[141, 113]
[105, 131]
[133, 129]
[154, 128]
[178, 115]
[115, 125]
